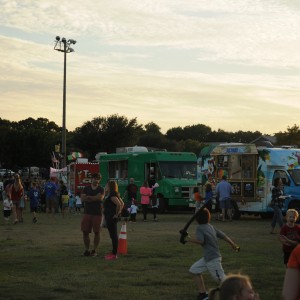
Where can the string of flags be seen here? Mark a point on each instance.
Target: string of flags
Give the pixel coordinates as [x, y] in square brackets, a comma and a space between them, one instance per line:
[74, 155]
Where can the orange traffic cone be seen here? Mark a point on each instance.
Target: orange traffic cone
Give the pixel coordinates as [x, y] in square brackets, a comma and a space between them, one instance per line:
[122, 245]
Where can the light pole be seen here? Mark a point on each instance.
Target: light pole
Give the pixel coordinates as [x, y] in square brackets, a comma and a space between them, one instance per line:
[63, 45]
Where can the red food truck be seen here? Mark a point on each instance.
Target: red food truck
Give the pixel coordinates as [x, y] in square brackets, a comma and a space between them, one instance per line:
[80, 174]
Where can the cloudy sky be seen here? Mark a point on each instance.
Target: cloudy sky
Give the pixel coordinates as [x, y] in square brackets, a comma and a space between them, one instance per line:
[228, 64]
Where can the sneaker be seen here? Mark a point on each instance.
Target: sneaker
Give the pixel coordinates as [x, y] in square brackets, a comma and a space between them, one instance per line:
[202, 296]
[111, 257]
[86, 253]
[108, 255]
[93, 253]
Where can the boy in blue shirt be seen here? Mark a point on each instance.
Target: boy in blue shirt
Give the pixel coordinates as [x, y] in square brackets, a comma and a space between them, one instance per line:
[34, 197]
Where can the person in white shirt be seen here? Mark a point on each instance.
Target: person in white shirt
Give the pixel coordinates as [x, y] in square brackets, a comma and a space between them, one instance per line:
[7, 207]
[133, 211]
[78, 203]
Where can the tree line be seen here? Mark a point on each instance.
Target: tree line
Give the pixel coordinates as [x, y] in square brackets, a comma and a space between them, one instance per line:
[31, 142]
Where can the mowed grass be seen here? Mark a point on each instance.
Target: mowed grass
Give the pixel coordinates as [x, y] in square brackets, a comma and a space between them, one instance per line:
[43, 260]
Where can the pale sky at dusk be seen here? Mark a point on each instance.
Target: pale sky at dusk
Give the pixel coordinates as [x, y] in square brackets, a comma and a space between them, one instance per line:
[228, 64]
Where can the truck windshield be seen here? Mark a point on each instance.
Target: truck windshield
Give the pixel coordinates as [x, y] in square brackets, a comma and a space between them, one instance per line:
[295, 174]
[170, 169]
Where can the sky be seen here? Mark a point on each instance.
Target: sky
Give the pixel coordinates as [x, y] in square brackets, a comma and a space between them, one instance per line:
[228, 64]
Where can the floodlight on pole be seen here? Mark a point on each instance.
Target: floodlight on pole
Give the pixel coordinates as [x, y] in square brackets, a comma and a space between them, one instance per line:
[64, 45]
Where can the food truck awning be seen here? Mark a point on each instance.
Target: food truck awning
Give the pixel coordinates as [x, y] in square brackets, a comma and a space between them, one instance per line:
[234, 149]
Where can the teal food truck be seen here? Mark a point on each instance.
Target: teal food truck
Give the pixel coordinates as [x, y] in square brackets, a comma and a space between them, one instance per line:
[251, 170]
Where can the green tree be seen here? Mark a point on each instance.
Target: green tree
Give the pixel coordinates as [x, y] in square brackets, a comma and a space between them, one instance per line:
[152, 137]
[197, 132]
[152, 128]
[290, 137]
[27, 142]
[5, 155]
[220, 136]
[104, 134]
[190, 145]
[175, 133]
[40, 124]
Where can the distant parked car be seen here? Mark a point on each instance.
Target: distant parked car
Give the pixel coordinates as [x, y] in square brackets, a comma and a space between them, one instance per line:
[6, 172]
[32, 172]
[25, 173]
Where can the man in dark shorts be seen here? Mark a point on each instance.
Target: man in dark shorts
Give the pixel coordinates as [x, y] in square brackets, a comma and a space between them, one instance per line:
[223, 191]
[92, 197]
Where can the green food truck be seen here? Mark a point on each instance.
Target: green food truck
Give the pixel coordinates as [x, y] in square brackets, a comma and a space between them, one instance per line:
[174, 172]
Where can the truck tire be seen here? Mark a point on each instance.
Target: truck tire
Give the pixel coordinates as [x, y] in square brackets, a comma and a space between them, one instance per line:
[236, 214]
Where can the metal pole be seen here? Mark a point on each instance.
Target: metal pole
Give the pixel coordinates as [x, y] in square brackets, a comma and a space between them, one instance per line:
[64, 144]
[66, 49]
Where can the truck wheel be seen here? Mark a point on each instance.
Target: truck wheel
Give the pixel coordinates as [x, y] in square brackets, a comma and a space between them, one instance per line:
[236, 214]
[163, 205]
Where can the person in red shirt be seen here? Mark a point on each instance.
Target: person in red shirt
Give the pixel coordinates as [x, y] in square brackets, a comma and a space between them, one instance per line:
[291, 285]
[289, 234]
[15, 192]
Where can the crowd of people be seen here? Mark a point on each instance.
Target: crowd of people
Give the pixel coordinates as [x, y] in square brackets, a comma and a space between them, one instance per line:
[52, 197]
[231, 287]
[237, 286]
[103, 207]
[222, 193]
[49, 196]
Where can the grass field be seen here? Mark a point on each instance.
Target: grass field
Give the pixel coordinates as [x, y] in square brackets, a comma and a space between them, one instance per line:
[43, 260]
